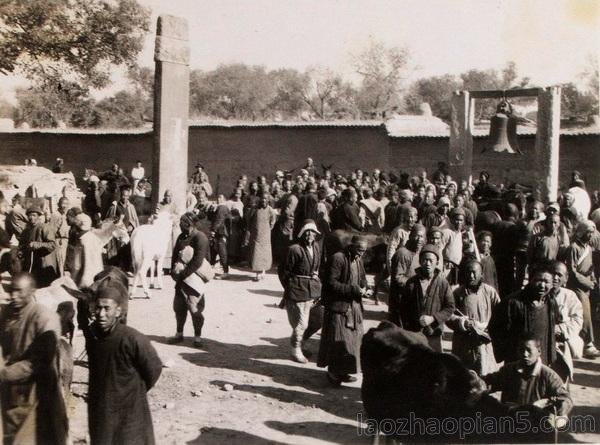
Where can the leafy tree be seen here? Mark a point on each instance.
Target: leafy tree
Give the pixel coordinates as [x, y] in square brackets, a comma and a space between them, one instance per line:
[577, 105]
[82, 37]
[381, 70]
[53, 106]
[125, 109]
[66, 47]
[7, 110]
[235, 91]
[327, 95]
[288, 101]
[437, 91]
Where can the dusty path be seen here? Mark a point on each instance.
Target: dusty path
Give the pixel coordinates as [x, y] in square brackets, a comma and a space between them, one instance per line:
[273, 399]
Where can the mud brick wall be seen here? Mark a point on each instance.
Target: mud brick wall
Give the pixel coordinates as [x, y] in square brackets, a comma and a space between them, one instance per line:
[228, 152]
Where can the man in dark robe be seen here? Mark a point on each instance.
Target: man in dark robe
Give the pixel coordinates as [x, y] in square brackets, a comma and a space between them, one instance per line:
[119, 253]
[345, 286]
[544, 247]
[123, 367]
[32, 400]
[391, 212]
[307, 207]
[220, 219]
[345, 216]
[427, 302]
[504, 251]
[488, 266]
[404, 265]
[531, 309]
[38, 249]
[16, 220]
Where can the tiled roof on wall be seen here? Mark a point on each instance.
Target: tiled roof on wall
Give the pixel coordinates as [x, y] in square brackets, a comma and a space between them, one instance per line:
[91, 131]
[402, 127]
[286, 124]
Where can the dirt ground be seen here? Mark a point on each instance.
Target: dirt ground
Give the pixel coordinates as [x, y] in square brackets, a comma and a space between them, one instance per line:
[271, 398]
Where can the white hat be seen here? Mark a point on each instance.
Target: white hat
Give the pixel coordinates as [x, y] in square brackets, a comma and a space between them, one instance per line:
[83, 221]
[308, 224]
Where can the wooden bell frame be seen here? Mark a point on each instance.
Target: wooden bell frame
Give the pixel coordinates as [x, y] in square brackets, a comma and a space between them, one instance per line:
[460, 152]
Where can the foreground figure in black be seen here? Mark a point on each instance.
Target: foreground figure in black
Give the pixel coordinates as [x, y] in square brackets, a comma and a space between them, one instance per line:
[123, 367]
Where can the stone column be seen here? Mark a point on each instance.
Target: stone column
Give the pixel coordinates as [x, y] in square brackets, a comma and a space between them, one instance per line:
[460, 153]
[171, 108]
[547, 141]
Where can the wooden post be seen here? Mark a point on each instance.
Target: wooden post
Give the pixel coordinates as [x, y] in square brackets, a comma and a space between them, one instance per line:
[171, 108]
[547, 141]
[460, 153]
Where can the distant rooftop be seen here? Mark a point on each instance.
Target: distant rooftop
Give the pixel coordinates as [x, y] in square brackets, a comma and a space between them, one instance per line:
[414, 126]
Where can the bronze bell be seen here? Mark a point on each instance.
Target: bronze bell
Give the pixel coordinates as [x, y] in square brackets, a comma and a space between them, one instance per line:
[503, 130]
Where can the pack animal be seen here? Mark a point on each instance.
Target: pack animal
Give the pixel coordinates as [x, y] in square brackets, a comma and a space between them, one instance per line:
[403, 377]
[149, 244]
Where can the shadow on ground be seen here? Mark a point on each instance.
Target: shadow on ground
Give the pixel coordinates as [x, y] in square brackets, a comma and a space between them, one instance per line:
[328, 431]
[266, 292]
[344, 402]
[588, 365]
[375, 315]
[237, 277]
[587, 380]
[224, 436]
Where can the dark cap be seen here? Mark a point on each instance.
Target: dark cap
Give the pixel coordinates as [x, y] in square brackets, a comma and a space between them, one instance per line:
[430, 248]
[34, 209]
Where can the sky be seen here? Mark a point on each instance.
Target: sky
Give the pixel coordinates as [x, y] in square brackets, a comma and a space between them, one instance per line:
[550, 40]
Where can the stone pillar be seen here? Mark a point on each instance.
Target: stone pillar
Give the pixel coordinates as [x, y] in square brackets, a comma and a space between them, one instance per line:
[171, 108]
[460, 153]
[547, 141]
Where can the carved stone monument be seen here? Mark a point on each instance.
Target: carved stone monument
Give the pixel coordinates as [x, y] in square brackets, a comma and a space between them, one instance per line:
[171, 108]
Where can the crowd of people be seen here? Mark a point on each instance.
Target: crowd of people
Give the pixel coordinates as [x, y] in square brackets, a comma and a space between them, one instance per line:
[512, 277]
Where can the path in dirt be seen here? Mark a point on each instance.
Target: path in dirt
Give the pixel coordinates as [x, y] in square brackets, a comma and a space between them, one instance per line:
[273, 400]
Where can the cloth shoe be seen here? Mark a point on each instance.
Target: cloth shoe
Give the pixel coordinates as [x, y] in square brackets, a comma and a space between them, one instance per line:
[591, 352]
[348, 378]
[297, 355]
[333, 379]
[177, 338]
[198, 342]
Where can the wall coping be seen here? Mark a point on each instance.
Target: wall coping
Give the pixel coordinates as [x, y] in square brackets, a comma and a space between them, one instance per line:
[477, 133]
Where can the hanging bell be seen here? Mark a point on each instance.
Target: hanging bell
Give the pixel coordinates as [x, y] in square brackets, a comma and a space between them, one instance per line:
[503, 130]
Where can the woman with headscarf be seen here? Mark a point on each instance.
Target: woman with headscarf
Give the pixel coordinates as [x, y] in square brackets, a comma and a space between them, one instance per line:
[582, 281]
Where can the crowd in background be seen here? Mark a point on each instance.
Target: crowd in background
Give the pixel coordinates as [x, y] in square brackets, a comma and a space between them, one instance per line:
[510, 275]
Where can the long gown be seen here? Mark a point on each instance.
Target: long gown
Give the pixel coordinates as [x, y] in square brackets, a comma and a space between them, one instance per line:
[123, 367]
[261, 223]
[475, 354]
